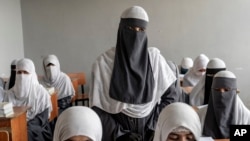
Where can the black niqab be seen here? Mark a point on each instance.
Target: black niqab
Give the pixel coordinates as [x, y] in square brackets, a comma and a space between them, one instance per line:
[12, 76]
[132, 77]
[221, 109]
[208, 82]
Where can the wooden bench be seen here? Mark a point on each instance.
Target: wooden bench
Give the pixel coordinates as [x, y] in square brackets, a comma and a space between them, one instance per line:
[5, 134]
[80, 95]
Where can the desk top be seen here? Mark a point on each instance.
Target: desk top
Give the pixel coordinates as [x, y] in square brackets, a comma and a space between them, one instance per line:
[17, 111]
[222, 140]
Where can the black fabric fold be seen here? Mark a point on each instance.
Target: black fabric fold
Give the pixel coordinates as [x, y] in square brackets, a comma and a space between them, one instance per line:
[39, 128]
[132, 77]
[12, 76]
[208, 82]
[221, 109]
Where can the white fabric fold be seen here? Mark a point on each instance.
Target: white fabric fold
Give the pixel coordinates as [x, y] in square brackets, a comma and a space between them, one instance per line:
[196, 97]
[101, 75]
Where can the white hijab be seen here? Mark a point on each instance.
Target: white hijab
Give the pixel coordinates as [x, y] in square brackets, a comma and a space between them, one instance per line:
[54, 77]
[187, 62]
[196, 97]
[192, 77]
[177, 115]
[78, 120]
[27, 91]
[101, 75]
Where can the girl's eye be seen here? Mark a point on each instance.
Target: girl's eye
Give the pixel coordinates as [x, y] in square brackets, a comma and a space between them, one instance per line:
[173, 137]
[190, 137]
[136, 29]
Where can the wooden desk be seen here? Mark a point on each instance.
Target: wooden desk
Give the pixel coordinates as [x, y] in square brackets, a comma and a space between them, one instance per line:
[54, 112]
[222, 140]
[16, 124]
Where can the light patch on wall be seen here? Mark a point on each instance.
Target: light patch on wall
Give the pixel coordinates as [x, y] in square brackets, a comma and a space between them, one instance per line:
[238, 68]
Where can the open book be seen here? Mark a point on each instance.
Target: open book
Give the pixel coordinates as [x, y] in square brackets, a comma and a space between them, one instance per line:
[51, 90]
[6, 109]
[5, 105]
[206, 139]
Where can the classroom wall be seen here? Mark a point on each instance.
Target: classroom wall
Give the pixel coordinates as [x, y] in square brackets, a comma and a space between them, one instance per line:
[11, 34]
[77, 31]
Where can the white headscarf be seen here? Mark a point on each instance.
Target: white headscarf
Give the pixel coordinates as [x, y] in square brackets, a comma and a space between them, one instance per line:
[78, 120]
[192, 77]
[55, 78]
[101, 74]
[187, 63]
[135, 12]
[177, 115]
[27, 91]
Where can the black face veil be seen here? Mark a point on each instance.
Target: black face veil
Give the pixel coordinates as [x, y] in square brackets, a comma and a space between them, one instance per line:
[132, 78]
[12, 76]
[208, 82]
[221, 109]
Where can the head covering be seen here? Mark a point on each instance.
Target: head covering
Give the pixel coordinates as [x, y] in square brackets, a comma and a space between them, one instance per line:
[135, 12]
[27, 91]
[171, 118]
[200, 93]
[200, 62]
[54, 77]
[132, 77]
[78, 120]
[130, 74]
[214, 65]
[52, 73]
[192, 77]
[221, 107]
[12, 79]
[186, 63]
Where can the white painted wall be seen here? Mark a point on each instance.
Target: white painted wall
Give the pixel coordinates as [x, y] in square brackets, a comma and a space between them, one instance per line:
[77, 31]
[11, 34]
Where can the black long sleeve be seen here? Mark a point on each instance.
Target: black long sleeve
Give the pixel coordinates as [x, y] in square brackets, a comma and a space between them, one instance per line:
[171, 95]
